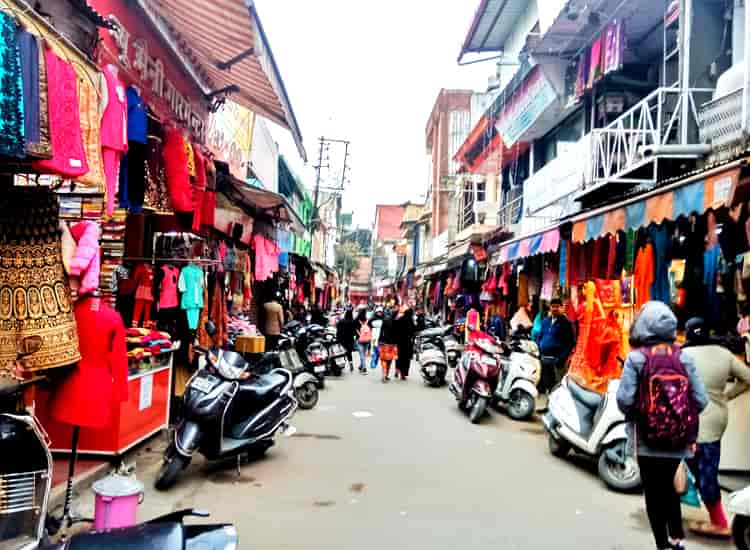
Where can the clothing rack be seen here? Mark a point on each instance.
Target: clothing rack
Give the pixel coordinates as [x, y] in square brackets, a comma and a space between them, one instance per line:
[202, 261]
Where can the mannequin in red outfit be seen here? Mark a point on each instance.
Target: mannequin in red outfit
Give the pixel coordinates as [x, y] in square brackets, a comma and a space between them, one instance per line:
[85, 397]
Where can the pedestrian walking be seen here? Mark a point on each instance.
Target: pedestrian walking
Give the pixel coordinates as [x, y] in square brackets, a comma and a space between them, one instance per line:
[556, 342]
[716, 366]
[405, 329]
[346, 331]
[661, 394]
[388, 345]
[364, 338]
[274, 321]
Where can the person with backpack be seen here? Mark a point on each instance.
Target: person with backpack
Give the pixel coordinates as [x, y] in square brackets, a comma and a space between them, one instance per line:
[662, 396]
[346, 333]
[364, 337]
[716, 366]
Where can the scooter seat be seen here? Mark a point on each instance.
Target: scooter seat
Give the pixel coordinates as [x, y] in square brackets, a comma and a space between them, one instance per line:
[165, 536]
[264, 387]
[590, 399]
[430, 333]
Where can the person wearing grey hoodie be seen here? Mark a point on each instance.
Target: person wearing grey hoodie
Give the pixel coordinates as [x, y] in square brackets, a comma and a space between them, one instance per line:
[655, 328]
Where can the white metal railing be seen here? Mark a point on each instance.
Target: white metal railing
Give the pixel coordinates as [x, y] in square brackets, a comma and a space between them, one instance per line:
[664, 117]
[510, 212]
[721, 120]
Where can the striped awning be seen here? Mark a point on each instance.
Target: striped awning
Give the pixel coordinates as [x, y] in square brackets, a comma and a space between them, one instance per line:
[680, 199]
[540, 243]
[225, 42]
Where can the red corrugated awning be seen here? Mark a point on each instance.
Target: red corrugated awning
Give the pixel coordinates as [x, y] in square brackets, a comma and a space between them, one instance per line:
[225, 42]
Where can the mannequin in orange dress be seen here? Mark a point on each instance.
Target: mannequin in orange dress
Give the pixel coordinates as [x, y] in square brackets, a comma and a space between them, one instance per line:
[586, 360]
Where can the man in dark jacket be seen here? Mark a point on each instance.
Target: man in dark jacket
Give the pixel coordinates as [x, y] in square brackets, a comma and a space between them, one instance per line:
[555, 344]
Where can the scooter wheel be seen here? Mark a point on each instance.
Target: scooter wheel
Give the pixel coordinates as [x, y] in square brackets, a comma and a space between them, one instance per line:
[521, 405]
[307, 395]
[622, 474]
[478, 410]
[741, 532]
[169, 471]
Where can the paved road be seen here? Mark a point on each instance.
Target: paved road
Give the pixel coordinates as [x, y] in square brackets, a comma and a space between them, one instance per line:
[412, 473]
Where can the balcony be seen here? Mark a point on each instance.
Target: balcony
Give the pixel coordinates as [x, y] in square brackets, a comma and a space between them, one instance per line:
[662, 125]
[721, 120]
[510, 212]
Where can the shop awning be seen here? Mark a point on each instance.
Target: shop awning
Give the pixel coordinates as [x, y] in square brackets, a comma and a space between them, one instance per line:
[696, 194]
[262, 200]
[493, 22]
[434, 269]
[523, 247]
[225, 42]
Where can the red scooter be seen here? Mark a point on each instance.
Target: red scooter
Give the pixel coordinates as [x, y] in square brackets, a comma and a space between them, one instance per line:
[477, 375]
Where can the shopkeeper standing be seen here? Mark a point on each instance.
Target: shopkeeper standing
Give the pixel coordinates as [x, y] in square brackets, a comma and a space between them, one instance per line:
[556, 342]
[274, 321]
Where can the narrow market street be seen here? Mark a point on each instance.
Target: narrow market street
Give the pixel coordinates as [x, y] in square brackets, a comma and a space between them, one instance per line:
[414, 474]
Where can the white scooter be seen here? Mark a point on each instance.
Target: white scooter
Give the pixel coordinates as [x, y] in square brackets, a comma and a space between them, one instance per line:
[739, 505]
[592, 424]
[521, 370]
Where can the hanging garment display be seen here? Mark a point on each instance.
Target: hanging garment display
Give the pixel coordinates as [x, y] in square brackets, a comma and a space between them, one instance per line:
[144, 295]
[176, 169]
[168, 297]
[85, 397]
[68, 154]
[114, 134]
[89, 100]
[643, 275]
[34, 292]
[85, 261]
[191, 285]
[712, 269]
[156, 195]
[199, 189]
[659, 235]
[266, 257]
[11, 92]
[35, 112]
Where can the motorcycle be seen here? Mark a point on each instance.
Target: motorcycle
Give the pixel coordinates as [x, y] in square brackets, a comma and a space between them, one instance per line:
[337, 361]
[26, 484]
[593, 425]
[431, 355]
[739, 505]
[521, 371]
[476, 377]
[228, 411]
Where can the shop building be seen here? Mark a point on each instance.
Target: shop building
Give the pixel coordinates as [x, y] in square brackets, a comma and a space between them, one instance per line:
[130, 159]
[628, 178]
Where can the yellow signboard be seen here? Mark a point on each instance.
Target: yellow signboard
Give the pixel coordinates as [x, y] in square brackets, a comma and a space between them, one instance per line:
[230, 136]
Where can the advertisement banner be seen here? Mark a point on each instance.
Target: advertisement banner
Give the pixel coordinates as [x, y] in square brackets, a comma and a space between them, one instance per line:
[230, 136]
[529, 102]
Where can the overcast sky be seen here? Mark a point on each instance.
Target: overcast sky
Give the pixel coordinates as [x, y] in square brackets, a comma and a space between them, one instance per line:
[369, 72]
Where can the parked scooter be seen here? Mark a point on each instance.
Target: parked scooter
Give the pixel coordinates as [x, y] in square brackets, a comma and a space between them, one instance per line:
[26, 484]
[592, 424]
[476, 377]
[431, 355]
[739, 505]
[228, 411]
[286, 357]
[312, 353]
[337, 361]
[453, 349]
[521, 371]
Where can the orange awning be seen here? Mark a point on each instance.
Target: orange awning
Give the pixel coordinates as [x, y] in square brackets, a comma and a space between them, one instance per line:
[225, 42]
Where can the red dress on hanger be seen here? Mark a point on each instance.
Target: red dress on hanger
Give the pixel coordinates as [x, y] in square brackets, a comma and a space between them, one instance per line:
[86, 396]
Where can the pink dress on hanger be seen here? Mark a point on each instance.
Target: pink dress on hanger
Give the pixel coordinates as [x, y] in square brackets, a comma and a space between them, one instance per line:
[68, 154]
[114, 134]
[266, 257]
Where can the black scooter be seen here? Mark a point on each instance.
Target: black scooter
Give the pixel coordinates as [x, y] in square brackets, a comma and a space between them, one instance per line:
[310, 350]
[26, 483]
[228, 411]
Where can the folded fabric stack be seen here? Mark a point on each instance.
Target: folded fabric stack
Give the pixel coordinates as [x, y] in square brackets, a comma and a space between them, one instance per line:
[144, 343]
[240, 325]
[113, 250]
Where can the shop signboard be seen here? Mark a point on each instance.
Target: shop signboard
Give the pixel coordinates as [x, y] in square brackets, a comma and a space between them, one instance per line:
[230, 136]
[143, 60]
[559, 178]
[528, 103]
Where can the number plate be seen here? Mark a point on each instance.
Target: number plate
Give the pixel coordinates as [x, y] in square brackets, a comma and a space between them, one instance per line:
[340, 362]
[320, 368]
[489, 361]
[204, 385]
